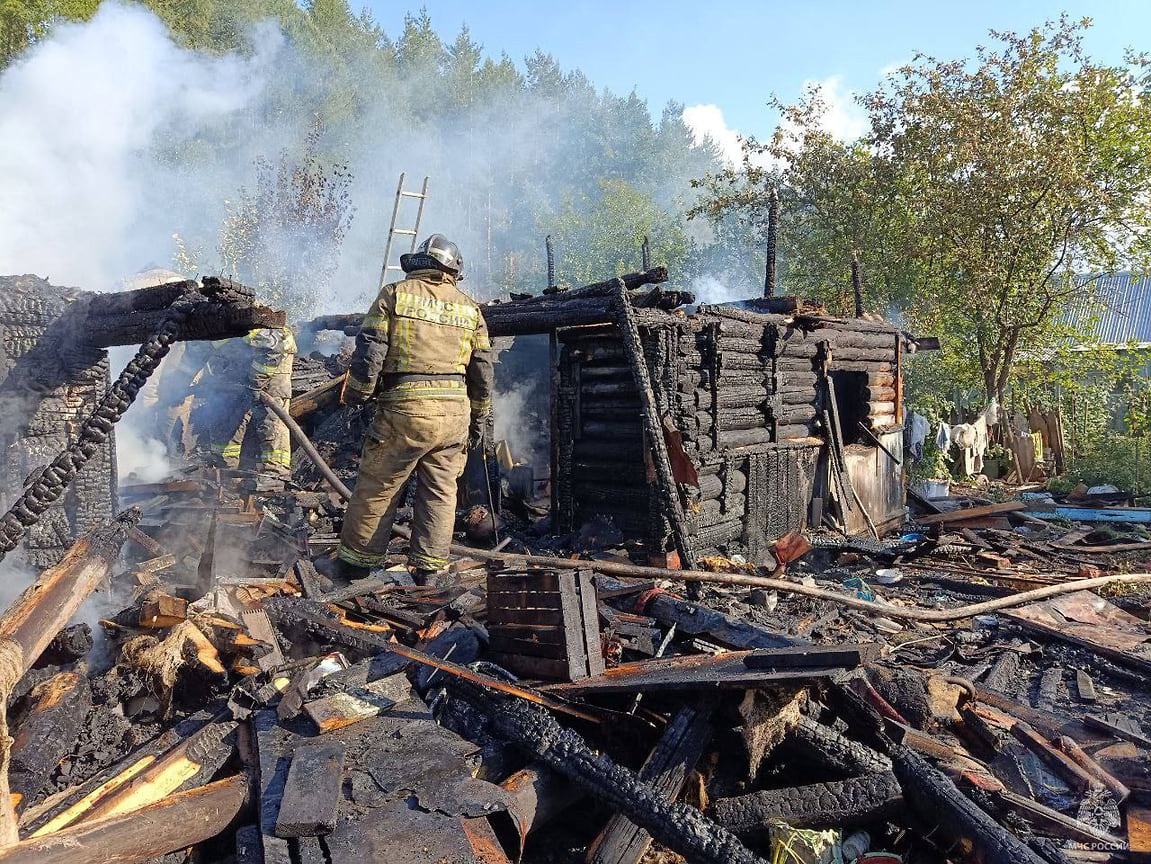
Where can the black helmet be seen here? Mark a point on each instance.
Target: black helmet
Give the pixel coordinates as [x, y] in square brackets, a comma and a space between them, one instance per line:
[435, 253]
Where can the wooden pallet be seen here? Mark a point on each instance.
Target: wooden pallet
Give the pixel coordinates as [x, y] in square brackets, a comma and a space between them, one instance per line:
[544, 624]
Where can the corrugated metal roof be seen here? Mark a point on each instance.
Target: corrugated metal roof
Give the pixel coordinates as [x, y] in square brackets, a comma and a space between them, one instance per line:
[1126, 307]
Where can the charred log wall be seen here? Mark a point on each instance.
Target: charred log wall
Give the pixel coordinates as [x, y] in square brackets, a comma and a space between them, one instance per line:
[54, 372]
[745, 392]
[47, 386]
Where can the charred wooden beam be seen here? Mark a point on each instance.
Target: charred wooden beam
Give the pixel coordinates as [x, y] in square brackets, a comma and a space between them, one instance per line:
[682, 829]
[667, 489]
[47, 732]
[772, 234]
[192, 762]
[312, 792]
[836, 804]
[969, 830]
[837, 752]
[666, 770]
[38, 614]
[220, 308]
[318, 398]
[576, 307]
[536, 795]
[694, 619]
[79, 801]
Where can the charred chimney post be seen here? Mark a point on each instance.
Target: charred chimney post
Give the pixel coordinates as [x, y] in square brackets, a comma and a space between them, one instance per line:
[551, 253]
[646, 252]
[772, 235]
[857, 283]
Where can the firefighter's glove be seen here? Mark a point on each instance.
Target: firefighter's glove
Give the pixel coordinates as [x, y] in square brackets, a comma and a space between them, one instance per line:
[477, 430]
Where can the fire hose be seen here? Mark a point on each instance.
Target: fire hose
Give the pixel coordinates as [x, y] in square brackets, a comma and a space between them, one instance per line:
[50, 482]
[636, 571]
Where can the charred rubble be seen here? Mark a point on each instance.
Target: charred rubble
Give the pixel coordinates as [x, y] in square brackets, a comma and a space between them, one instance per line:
[701, 636]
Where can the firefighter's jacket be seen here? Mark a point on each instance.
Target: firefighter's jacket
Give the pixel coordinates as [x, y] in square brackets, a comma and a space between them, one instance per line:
[273, 352]
[423, 338]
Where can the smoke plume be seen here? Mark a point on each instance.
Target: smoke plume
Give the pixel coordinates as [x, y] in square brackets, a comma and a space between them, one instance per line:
[89, 123]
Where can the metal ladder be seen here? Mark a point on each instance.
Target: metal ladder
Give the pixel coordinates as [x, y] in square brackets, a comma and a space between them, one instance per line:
[414, 232]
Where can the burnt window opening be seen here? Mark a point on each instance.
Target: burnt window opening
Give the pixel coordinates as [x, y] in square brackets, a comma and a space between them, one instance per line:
[851, 400]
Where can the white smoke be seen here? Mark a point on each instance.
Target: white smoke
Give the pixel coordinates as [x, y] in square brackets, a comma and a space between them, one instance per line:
[712, 290]
[140, 456]
[87, 196]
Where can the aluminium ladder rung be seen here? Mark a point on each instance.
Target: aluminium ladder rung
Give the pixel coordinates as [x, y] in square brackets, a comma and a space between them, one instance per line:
[413, 195]
[404, 231]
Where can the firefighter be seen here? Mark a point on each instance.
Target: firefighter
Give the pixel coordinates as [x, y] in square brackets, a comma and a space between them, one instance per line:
[423, 354]
[272, 351]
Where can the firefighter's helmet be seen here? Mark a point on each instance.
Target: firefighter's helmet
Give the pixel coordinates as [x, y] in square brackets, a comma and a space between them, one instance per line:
[435, 253]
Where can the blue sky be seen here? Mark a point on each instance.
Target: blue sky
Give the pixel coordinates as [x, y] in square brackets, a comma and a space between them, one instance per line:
[732, 55]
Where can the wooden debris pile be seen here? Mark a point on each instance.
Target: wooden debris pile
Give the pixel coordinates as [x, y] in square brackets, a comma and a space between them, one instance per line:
[234, 705]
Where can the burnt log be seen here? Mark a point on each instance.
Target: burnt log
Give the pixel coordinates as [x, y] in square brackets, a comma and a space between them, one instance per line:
[798, 431]
[744, 438]
[38, 614]
[220, 308]
[968, 831]
[875, 395]
[47, 732]
[191, 763]
[835, 752]
[318, 398]
[712, 486]
[176, 822]
[78, 801]
[694, 619]
[837, 804]
[680, 828]
[666, 770]
[858, 325]
[69, 645]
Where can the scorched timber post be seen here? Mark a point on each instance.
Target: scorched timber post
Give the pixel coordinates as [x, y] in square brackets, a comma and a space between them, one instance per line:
[37, 616]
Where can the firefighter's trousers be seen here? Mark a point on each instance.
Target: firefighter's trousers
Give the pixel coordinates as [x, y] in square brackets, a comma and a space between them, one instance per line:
[245, 408]
[430, 437]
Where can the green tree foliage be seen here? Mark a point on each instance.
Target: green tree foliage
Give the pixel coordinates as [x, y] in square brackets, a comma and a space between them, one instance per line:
[604, 237]
[980, 189]
[283, 236]
[836, 200]
[23, 22]
[1021, 170]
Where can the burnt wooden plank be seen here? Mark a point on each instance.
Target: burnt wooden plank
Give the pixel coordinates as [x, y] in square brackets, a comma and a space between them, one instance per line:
[1085, 686]
[820, 656]
[666, 770]
[47, 732]
[1118, 725]
[545, 580]
[176, 822]
[532, 667]
[524, 599]
[590, 614]
[312, 792]
[507, 645]
[572, 618]
[548, 634]
[500, 615]
[273, 768]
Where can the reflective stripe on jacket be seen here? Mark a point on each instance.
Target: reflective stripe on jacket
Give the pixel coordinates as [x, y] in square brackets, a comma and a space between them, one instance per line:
[425, 325]
[273, 350]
